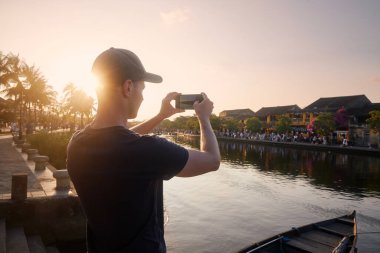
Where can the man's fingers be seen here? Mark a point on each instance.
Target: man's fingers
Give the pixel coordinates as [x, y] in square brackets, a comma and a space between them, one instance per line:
[172, 95]
[177, 110]
[204, 95]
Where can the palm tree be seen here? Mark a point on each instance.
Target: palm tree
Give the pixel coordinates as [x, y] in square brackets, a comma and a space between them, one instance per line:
[15, 84]
[82, 104]
[39, 94]
[68, 102]
[5, 74]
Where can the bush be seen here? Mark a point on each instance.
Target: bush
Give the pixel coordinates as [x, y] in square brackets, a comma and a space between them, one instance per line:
[53, 145]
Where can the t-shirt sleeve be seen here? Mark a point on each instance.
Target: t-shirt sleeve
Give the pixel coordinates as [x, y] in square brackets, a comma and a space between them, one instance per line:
[162, 158]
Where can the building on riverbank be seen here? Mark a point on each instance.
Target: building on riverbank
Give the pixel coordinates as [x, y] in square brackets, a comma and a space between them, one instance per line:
[356, 108]
[239, 114]
[350, 112]
[270, 115]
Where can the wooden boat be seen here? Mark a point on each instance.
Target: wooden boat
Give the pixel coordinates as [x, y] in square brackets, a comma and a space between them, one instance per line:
[336, 235]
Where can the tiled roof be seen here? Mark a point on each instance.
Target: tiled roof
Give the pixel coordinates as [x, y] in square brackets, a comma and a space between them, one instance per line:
[277, 110]
[238, 111]
[332, 104]
[365, 110]
[237, 114]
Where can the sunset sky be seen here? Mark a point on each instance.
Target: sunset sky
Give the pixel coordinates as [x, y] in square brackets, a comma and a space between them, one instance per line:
[242, 53]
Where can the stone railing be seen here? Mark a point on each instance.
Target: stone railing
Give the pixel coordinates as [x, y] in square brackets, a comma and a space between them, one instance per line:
[44, 171]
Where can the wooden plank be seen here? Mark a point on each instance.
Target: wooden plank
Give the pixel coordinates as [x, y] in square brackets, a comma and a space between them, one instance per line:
[292, 249]
[341, 228]
[323, 237]
[309, 245]
[2, 236]
[333, 232]
[346, 221]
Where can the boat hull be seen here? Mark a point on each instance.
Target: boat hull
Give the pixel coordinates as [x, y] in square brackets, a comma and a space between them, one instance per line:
[336, 235]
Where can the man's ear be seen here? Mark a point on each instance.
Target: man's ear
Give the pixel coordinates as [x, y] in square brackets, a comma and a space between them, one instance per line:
[127, 88]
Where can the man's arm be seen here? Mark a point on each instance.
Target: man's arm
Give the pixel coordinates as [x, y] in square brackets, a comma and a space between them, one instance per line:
[208, 158]
[166, 111]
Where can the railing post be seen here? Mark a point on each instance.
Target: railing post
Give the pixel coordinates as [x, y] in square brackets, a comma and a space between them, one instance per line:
[40, 162]
[32, 153]
[62, 178]
[19, 186]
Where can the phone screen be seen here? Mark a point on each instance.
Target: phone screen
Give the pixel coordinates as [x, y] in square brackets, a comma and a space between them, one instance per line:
[187, 101]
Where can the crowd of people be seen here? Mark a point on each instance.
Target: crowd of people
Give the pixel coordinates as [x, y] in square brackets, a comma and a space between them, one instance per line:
[294, 136]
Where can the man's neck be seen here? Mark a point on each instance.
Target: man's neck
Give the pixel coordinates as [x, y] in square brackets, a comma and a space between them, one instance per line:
[108, 118]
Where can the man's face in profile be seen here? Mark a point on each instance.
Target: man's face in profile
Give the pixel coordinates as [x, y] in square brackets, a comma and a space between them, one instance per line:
[136, 98]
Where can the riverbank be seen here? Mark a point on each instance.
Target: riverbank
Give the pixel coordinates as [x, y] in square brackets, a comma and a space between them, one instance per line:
[300, 145]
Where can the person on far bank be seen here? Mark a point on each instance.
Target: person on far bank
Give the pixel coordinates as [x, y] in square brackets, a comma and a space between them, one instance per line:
[118, 172]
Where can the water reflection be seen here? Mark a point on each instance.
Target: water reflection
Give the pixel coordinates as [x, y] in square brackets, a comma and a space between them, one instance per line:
[354, 174]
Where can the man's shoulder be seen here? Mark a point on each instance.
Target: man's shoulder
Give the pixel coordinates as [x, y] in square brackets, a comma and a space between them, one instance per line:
[103, 136]
[154, 140]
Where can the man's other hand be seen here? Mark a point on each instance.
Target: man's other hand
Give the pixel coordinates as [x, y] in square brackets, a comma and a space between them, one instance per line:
[203, 109]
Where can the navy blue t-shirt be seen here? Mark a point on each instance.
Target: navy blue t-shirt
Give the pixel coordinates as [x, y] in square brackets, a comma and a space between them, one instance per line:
[118, 176]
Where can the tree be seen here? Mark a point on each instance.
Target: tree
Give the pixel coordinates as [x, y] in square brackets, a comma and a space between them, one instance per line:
[216, 122]
[68, 102]
[254, 124]
[7, 114]
[283, 124]
[82, 104]
[192, 123]
[166, 125]
[5, 73]
[341, 119]
[324, 123]
[76, 101]
[180, 122]
[230, 124]
[374, 120]
[15, 85]
[40, 94]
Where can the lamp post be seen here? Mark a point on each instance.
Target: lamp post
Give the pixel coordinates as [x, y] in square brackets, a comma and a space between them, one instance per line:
[21, 111]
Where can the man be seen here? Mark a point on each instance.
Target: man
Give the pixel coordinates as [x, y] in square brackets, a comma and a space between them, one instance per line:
[118, 172]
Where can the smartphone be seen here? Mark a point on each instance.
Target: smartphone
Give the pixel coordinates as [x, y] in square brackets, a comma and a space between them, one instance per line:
[186, 102]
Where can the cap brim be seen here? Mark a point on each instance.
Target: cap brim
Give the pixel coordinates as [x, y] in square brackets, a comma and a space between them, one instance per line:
[152, 78]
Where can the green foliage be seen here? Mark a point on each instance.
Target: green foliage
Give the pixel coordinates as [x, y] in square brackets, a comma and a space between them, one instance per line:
[216, 122]
[324, 123]
[374, 120]
[231, 124]
[188, 123]
[77, 102]
[180, 123]
[283, 124]
[53, 145]
[254, 124]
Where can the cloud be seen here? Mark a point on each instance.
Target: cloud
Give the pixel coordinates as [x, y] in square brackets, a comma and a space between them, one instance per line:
[175, 16]
[376, 80]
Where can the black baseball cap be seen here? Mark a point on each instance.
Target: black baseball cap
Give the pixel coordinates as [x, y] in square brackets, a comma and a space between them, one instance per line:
[116, 65]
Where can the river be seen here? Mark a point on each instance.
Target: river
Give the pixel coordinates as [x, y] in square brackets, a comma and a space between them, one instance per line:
[263, 190]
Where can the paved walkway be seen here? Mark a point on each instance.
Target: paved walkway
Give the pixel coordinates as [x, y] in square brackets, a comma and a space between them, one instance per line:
[12, 161]
[40, 183]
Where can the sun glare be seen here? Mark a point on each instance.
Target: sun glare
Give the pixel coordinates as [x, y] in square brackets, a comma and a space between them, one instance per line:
[76, 69]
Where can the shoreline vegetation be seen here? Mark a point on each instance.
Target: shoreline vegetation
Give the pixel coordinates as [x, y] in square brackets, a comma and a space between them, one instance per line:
[368, 151]
[54, 145]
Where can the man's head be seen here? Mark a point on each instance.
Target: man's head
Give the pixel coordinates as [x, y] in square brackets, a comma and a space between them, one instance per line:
[122, 76]
[116, 65]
